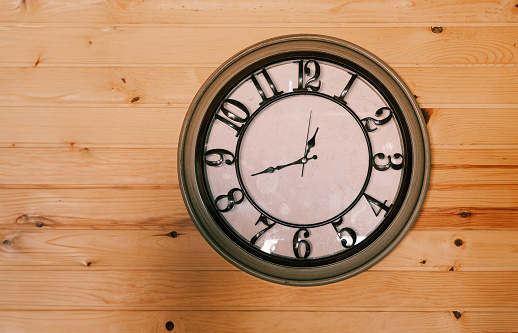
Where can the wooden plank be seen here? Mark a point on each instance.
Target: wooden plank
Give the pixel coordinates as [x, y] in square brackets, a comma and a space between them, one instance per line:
[32, 46]
[231, 290]
[436, 86]
[467, 218]
[164, 86]
[46, 248]
[81, 165]
[268, 11]
[88, 166]
[162, 208]
[454, 251]
[452, 175]
[472, 156]
[137, 126]
[258, 321]
[462, 127]
[493, 197]
[87, 208]
[78, 126]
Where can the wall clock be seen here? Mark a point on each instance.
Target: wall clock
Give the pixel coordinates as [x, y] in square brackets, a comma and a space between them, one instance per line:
[304, 160]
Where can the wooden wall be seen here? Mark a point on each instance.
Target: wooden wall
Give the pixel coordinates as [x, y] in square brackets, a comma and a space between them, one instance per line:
[92, 98]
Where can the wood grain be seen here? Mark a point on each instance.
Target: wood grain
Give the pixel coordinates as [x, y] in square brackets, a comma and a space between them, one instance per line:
[68, 126]
[92, 99]
[210, 46]
[459, 128]
[266, 12]
[161, 207]
[146, 127]
[467, 218]
[152, 250]
[232, 290]
[89, 166]
[81, 165]
[165, 86]
[87, 208]
[259, 321]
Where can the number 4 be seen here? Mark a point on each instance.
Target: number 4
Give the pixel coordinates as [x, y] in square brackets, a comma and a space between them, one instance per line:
[374, 203]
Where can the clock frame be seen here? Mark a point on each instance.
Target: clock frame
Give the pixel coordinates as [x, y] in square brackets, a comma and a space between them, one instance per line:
[206, 214]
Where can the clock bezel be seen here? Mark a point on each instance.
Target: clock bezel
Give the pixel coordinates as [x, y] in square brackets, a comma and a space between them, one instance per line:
[332, 268]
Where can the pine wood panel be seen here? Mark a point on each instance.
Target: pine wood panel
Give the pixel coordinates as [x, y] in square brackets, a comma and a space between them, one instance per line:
[259, 321]
[88, 166]
[467, 218]
[164, 86]
[136, 45]
[269, 11]
[162, 208]
[138, 126]
[42, 248]
[470, 126]
[80, 165]
[92, 99]
[236, 290]
[88, 208]
[79, 126]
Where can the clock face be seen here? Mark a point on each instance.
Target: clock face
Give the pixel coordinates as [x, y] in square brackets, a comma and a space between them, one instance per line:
[303, 160]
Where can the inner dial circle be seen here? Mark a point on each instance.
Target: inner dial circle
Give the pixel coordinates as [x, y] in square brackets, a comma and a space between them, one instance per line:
[290, 184]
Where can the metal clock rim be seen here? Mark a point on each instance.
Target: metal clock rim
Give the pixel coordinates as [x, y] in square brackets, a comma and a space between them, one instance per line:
[418, 186]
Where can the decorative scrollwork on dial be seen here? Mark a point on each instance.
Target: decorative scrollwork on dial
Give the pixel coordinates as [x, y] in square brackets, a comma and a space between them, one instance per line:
[371, 123]
[390, 164]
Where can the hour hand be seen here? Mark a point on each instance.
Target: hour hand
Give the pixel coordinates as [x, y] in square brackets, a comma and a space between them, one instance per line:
[299, 161]
[268, 170]
[302, 160]
[272, 169]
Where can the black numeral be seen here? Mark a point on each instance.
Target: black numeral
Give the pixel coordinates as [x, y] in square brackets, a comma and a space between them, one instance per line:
[264, 221]
[342, 232]
[232, 116]
[390, 164]
[341, 98]
[297, 242]
[369, 123]
[210, 156]
[270, 84]
[374, 203]
[230, 199]
[304, 69]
